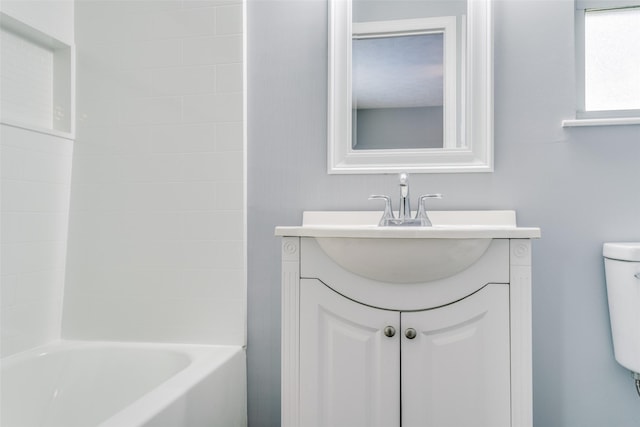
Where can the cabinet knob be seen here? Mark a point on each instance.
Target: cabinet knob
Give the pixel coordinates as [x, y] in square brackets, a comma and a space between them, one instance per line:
[410, 333]
[389, 331]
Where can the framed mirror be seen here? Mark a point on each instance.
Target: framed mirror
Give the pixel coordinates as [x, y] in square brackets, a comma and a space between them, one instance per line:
[410, 86]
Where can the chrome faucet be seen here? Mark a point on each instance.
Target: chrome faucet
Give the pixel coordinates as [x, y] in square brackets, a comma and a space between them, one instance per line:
[404, 211]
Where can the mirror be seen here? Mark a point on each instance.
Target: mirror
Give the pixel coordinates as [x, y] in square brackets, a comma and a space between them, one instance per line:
[410, 86]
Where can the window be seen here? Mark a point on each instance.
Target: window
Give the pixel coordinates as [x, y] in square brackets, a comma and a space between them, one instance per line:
[612, 59]
[608, 61]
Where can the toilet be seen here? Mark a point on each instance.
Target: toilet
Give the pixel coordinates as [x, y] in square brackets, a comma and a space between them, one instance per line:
[622, 267]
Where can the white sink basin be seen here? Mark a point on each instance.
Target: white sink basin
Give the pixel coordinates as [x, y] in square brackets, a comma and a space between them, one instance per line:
[407, 254]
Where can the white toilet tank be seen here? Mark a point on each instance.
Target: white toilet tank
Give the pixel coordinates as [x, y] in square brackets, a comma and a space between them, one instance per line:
[622, 267]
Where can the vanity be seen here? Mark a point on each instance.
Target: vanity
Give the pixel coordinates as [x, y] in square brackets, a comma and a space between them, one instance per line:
[406, 326]
[420, 319]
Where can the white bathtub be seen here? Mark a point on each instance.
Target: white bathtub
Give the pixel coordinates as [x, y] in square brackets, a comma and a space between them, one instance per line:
[82, 384]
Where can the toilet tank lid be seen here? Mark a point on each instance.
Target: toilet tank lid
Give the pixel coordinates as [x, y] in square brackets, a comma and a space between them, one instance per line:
[624, 251]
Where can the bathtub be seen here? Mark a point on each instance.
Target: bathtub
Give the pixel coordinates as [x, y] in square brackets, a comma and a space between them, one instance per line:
[82, 384]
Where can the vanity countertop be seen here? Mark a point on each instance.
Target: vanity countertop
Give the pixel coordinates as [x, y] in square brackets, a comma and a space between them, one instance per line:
[446, 225]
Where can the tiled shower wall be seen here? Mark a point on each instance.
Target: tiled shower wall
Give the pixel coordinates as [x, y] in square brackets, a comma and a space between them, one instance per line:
[156, 235]
[36, 176]
[36, 179]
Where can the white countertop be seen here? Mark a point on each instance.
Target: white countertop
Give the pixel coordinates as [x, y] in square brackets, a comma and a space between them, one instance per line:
[446, 225]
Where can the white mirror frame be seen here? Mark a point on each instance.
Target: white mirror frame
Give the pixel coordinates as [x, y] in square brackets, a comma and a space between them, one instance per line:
[477, 98]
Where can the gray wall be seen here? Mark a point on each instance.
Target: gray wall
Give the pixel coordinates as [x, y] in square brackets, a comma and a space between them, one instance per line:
[581, 186]
[413, 127]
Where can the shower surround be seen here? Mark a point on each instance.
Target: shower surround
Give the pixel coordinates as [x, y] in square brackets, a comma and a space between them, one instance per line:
[129, 228]
[156, 234]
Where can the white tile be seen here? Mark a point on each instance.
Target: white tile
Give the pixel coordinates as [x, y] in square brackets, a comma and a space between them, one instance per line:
[213, 50]
[167, 167]
[97, 21]
[158, 226]
[192, 320]
[183, 23]
[214, 283]
[47, 167]
[212, 254]
[125, 253]
[40, 285]
[104, 197]
[26, 257]
[226, 225]
[229, 78]
[148, 7]
[195, 196]
[135, 25]
[228, 107]
[134, 83]
[156, 229]
[25, 326]
[31, 196]
[155, 196]
[209, 3]
[184, 80]
[140, 111]
[159, 282]
[200, 108]
[229, 136]
[89, 169]
[215, 320]
[95, 141]
[199, 166]
[87, 281]
[183, 138]
[228, 166]
[151, 53]
[222, 107]
[83, 226]
[101, 79]
[97, 57]
[12, 161]
[97, 112]
[131, 140]
[8, 289]
[31, 141]
[229, 19]
[161, 167]
[156, 282]
[33, 226]
[230, 195]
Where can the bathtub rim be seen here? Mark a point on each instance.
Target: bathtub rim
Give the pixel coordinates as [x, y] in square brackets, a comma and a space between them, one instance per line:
[204, 360]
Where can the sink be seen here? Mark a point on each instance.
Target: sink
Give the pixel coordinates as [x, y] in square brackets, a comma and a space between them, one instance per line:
[456, 240]
[403, 260]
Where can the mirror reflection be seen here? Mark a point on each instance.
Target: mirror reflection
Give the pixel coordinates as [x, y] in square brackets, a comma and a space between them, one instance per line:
[398, 74]
[397, 91]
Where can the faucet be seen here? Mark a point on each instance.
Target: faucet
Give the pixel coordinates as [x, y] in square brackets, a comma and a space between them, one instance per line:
[404, 211]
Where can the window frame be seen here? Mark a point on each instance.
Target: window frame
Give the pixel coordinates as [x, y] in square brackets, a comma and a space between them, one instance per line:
[599, 116]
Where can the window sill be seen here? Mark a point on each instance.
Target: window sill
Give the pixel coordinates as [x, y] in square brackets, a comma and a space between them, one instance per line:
[611, 121]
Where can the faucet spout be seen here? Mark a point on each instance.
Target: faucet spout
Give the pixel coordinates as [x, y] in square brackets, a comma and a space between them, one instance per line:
[404, 211]
[405, 200]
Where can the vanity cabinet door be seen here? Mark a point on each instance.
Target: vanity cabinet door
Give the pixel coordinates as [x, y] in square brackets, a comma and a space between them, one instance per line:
[349, 365]
[456, 369]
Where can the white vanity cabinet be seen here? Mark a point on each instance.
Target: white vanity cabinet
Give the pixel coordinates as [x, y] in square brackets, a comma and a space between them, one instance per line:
[454, 351]
[453, 372]
[349, 369]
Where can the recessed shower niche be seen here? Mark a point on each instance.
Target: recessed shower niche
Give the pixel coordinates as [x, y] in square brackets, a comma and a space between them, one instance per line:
[37, 79]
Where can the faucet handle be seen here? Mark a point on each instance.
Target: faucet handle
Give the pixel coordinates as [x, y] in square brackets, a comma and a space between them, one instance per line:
[388, 212]
[422, 209]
